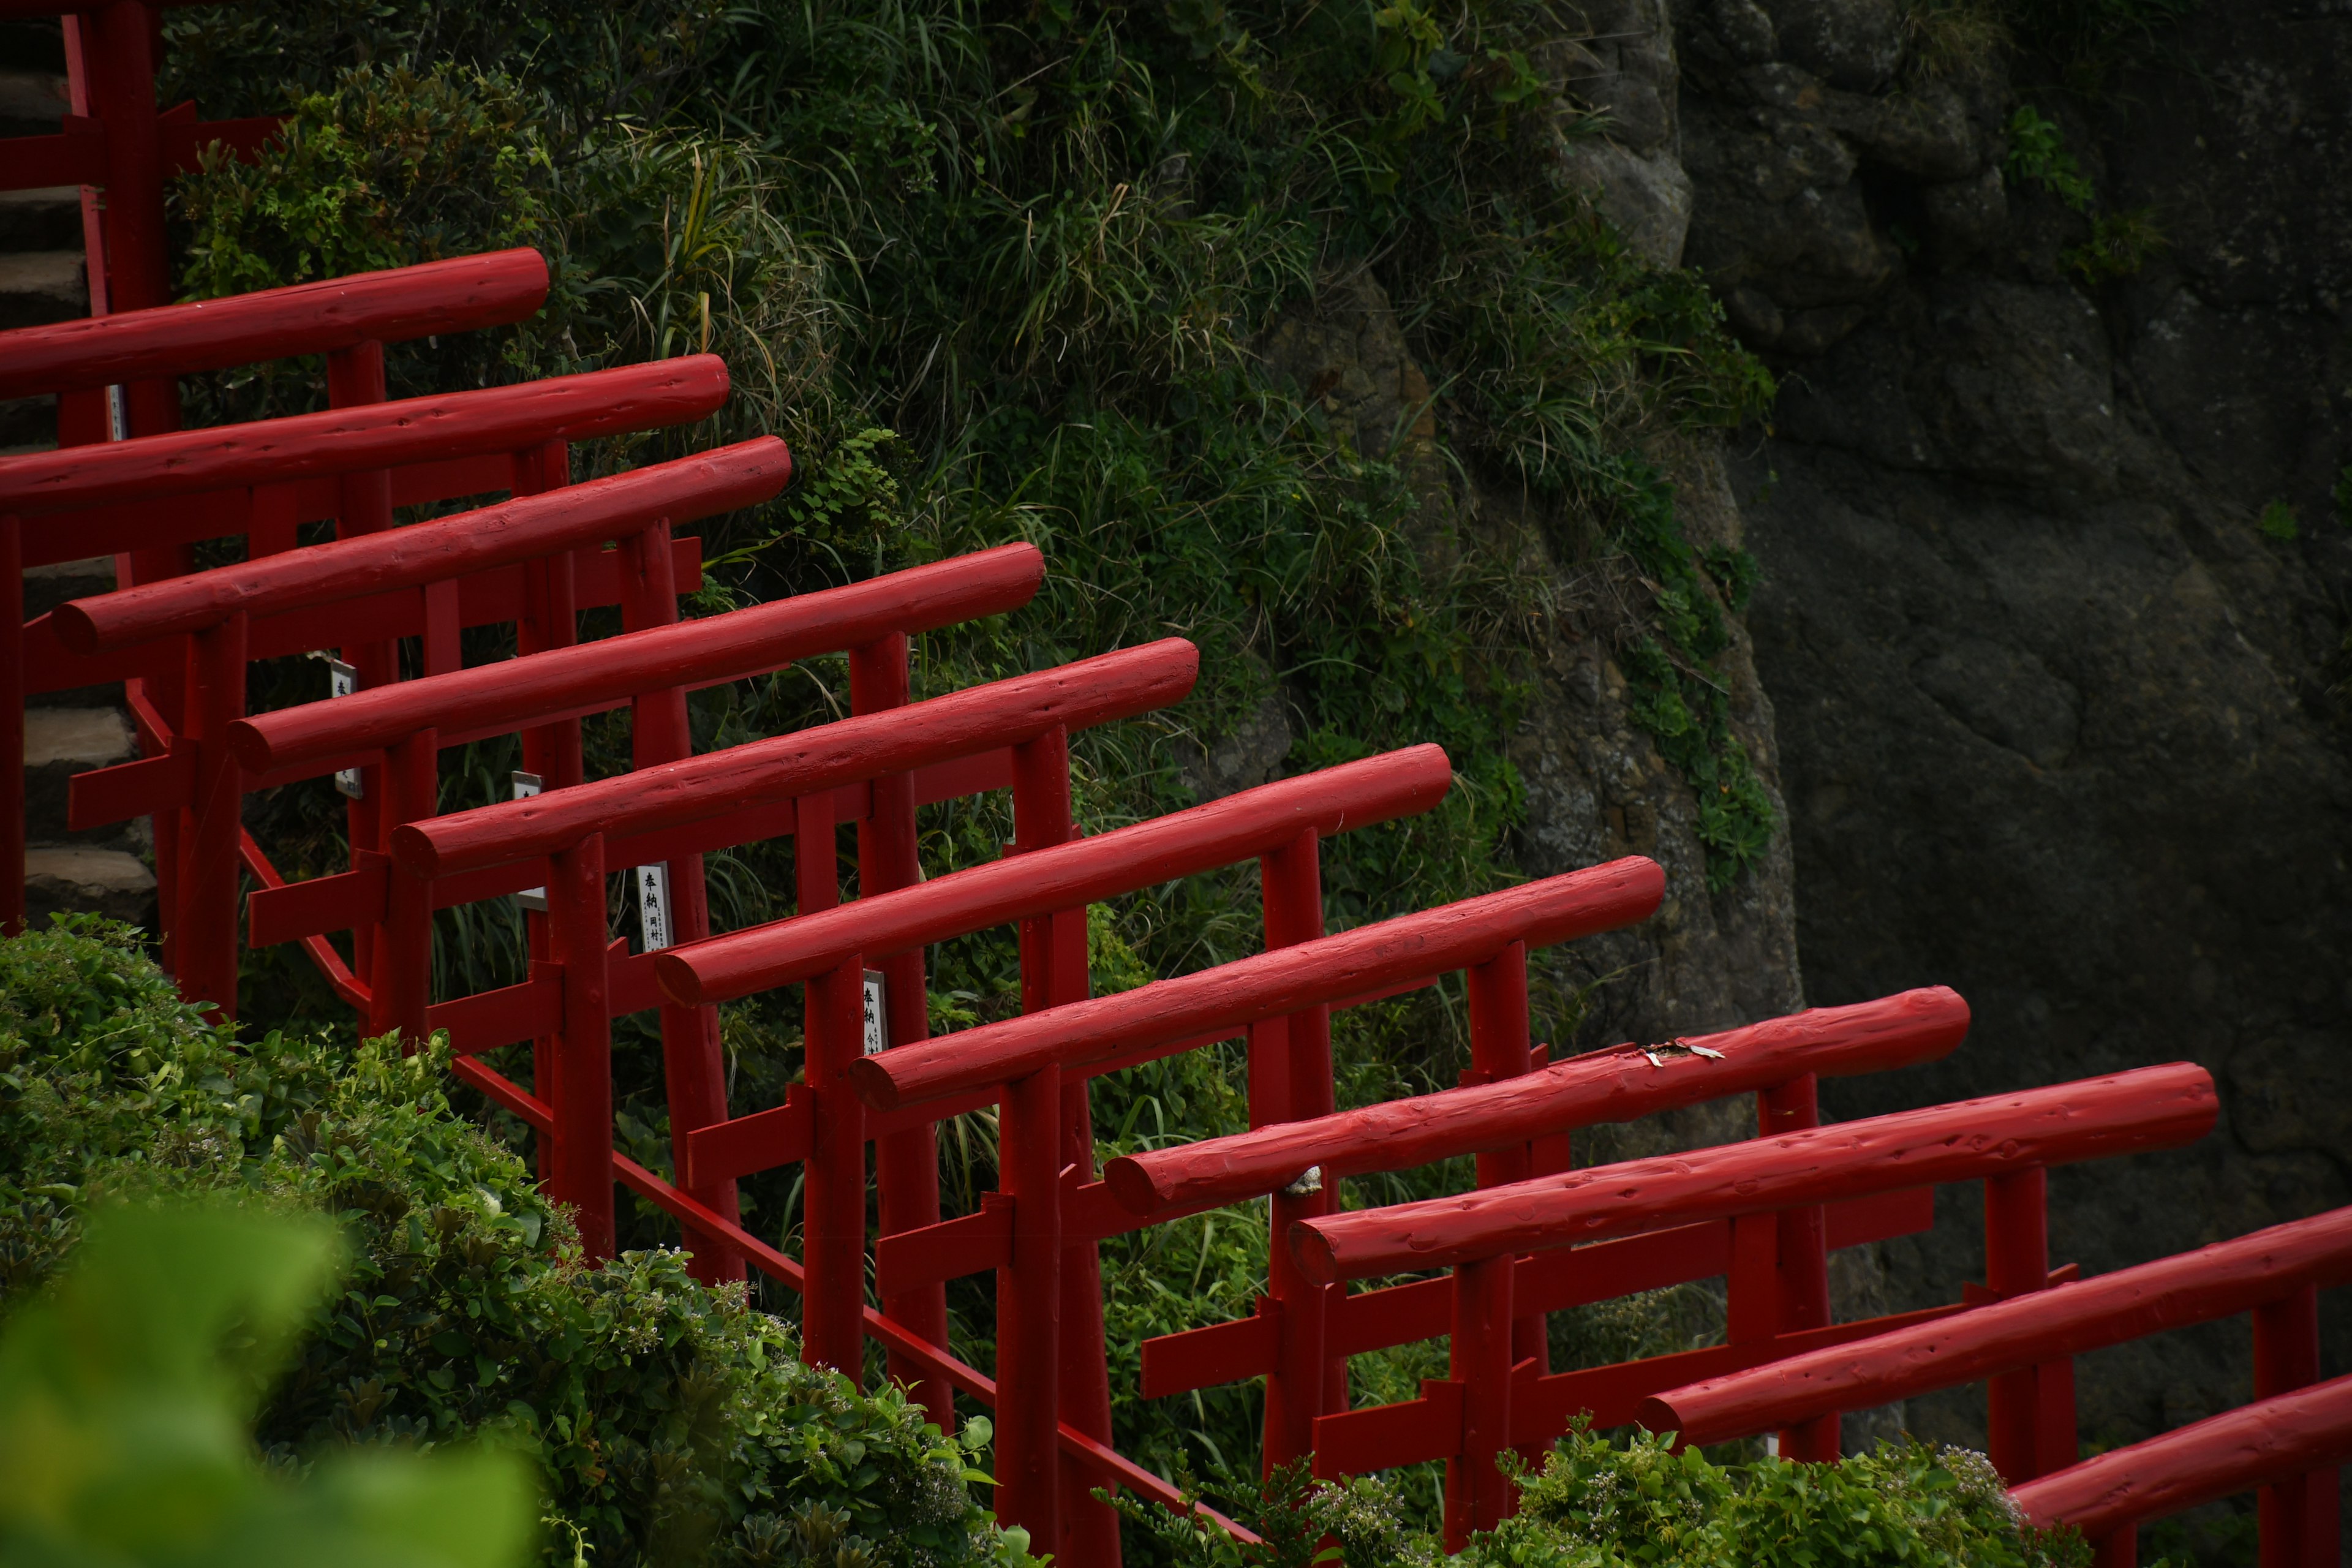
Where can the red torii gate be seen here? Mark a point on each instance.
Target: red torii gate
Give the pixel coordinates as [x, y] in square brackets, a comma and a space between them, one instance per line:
[2289, 1445]
[733, 796]
[1480, 1235]
[348, 320]
[1279, 823]
[1619, 1084]
[744, 793]
[216, 610]
[656, 668]
[1023, 1060]
[2274, 1274]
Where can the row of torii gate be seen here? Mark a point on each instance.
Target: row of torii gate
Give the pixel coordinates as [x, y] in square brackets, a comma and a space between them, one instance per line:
[1535, 1236]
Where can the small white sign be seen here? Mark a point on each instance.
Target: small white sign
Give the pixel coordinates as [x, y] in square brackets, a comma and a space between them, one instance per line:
[653, 905]
[117, 414]
[525, 786]
[877, 1015]
[342, 681]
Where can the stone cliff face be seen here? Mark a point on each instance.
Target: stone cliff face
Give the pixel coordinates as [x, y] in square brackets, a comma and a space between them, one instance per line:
[2055, 720]
[2059, 724]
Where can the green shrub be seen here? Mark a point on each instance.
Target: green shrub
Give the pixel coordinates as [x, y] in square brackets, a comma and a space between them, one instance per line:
[667, 1421]
[1597, 1504]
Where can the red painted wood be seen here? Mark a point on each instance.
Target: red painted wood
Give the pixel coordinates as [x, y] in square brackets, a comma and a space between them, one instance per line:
[568, 518]
[493, 698]
[2152, 1108]
[2017, 1262]
[950, 1249]
[367, 437]
[2297, 1517]
[1223, 1353]
[1410, 1432]
[2269, 1440]
[1614, 1394]
[1079, 872]
[580, 1171]
[483, 598]
[1620, 1084]
[461, 294]
[963, 723]
[743, 1145]
[2217, 1282]
[1330, 969]
[1479, 1362]
[486, 1021]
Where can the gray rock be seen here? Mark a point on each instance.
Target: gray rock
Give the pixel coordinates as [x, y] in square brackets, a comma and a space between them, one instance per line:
[1968, 215]
[75, 877]
[1849, 44]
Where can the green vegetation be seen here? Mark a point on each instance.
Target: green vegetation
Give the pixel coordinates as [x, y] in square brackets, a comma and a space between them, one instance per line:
[127, 1395]
[2119, 246]
[2038, 155]
[1598, 1503]
[660, 1420]
[2278, 521]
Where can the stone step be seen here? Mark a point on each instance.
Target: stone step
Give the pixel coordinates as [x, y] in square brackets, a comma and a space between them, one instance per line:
[45, 219]
[46, 587]
[60, 742]
[32, 102]
[37, 287]
[74, 878]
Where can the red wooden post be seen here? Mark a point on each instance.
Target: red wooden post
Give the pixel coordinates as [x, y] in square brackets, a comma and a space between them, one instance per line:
[833, 1205]
[1053, 972]
[551, 752]
[581, 1172]
[906, 1163]
[1305, 1383]
[401, 986]
[1029, 1308]
[1500, 1049]
[355, 378]
[2017, 1262]
[693, 1064]
[2298, 1516]
[1479, 1361]
[1801, 1267]
[210, 836]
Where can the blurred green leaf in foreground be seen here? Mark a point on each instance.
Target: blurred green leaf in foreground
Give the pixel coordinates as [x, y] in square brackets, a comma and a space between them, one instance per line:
[127, 1398]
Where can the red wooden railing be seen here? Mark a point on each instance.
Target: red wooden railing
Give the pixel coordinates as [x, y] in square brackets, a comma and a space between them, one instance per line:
[1534, 1237]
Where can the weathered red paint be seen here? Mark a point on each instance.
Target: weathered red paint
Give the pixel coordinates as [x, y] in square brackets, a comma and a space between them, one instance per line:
[464, 293]
[2282, 1438]
[496, 698]
[525, 529]
[1614, 1085]
[785, 767]
[1081, 871]
[2130, 1112]
[2217, 1282]
[1330, 969]
[370, 437]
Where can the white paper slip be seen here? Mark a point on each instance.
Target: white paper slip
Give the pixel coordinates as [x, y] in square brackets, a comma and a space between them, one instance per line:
[525, 786]
[653, 905]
